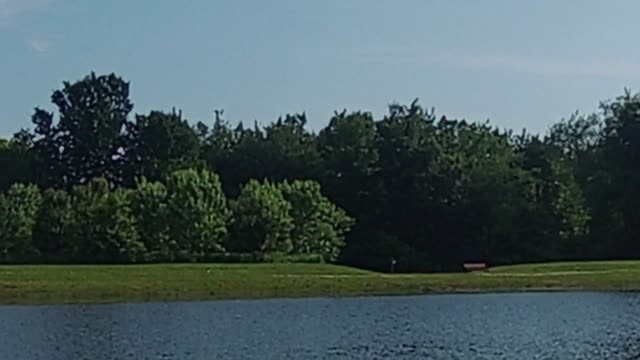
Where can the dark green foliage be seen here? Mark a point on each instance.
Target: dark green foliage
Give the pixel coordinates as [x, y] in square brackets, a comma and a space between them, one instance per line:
[17, 160]
[87, 140]
[18, 211]
[424, 191]
[262, 220]
[159, 144]
[197, 212]
[51, 227]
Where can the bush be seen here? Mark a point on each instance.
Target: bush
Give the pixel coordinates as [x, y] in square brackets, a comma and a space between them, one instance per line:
[18, 210]
[197, 212]
[261, 221]
[51, 225]
[319, 226]
[149, 207]
[293, 259]
[250, 258]
[102, 226]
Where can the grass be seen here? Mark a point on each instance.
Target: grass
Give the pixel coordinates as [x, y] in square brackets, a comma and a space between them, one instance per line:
[53, 284]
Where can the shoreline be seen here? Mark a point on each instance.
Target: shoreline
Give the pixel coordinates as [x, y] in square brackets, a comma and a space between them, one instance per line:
[130, 284]
[460, 292]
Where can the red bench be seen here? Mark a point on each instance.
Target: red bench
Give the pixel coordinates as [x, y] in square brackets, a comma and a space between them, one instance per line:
[475, 266]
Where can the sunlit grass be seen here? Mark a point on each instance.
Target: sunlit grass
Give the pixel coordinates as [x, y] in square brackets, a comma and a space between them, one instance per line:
[133, 283]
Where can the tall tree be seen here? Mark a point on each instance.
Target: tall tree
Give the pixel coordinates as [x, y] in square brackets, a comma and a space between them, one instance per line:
[621, 154]
[158, 144]
[349, 155]
[87, 142]
[291, 151]
[16, 162]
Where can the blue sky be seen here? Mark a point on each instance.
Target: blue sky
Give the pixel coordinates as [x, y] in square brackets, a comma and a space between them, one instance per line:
[519, 63]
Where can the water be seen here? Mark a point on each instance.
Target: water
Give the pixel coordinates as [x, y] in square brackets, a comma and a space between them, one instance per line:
[491, 326]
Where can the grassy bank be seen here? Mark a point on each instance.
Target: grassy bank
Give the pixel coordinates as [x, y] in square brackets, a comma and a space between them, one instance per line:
[91, 284]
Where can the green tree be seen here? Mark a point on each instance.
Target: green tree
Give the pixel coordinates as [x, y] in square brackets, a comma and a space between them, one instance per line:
[619, 196]
[16, 162]
[349, 155]
[149, 206]
[102, 227]
[45, 149]
[262, 220]
[557, 218]
[408, 183]
[88, 139]
[319, 225]
[158, 144]
[238, 157]
[18, 210]
[51, 227]
[197, 212]
[290, 150]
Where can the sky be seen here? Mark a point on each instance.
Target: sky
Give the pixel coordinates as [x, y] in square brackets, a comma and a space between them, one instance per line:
[518, 63]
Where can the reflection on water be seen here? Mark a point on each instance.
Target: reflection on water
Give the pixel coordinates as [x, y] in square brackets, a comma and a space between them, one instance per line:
[491, 326]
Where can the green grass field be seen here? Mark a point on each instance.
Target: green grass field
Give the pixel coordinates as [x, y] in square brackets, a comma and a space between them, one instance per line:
[134, 283]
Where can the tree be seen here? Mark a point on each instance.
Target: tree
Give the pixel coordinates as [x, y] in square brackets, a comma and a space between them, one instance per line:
[239, 156]
[349, 155]
[102, 227]
[319, 227]
[16, 162]
[51, 227]
[46, 150]
[261, 220]
[575, 135]
[290, 151]
[282, 150]
[408, 184]
[557, 218]
[18, 209]
[158, 144]
[620, 196]
[197, 212]
[149, 207]
[87, 142]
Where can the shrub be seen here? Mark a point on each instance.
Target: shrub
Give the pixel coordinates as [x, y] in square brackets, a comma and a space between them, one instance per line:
[102, 226]
[51, 224]
[319, 226]
[18, 210]
[149, 207]
[197, 211]
[262, 220]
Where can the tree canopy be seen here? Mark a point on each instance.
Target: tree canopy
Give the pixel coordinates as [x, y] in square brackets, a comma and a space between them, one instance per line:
[93, 181]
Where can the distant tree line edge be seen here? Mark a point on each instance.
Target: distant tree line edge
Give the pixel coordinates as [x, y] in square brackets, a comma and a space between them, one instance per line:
[92, 183]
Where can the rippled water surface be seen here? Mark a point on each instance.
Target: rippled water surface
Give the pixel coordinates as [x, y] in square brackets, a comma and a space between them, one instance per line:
[491, 326]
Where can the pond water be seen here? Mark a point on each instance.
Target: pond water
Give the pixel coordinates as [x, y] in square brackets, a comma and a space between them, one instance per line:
[488, 326]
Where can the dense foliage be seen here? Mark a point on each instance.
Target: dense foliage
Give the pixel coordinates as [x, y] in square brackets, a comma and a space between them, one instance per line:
[91, 182]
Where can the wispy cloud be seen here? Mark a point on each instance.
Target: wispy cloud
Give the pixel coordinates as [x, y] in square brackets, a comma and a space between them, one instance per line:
[40, 45]
[508, 62]
[537, 65]
[12, 8]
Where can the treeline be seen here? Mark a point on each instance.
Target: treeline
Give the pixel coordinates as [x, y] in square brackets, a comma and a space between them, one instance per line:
[188, 219]
[427, 191]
